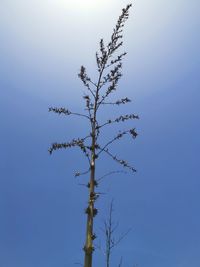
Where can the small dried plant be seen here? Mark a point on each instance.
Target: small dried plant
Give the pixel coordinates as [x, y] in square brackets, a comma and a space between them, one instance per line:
[111, 241]
[109, 72]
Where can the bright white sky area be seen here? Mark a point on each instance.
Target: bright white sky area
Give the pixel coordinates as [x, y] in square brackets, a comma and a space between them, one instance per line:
[53, 38]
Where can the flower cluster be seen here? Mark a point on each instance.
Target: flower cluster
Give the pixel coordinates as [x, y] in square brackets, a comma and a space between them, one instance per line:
[122, 101]
[117, 32]
[60, 110]
[75, 142]
[133, 133]
[126, 117]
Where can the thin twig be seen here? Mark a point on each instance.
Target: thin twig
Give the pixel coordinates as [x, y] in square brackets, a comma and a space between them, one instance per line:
[120, 263]
[110, 173]
[122, 162]
[81, 115]
[82, 173]
[120, 135]
[78, 263]
[92, 83]
[122, 118]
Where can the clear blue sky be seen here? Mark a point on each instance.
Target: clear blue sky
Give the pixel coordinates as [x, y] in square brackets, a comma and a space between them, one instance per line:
[43, 44]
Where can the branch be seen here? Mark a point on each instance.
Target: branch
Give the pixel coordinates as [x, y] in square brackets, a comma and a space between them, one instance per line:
[109, 229]
[66, 112]
[77, 263]
[118, 59]
[85, 79]
[120, 263]
[89, 106]
[118, 102]
[116, 36]
[119, 119]
[75, 142]
[92, 83]
[115, 243]
[102, 60]
[120, 135]
[110, 173]
[82, 173]
[122, 162]
[113, 45]
[113, 78]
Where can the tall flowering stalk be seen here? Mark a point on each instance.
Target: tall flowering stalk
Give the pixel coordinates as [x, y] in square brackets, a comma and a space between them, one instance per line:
[109, 72]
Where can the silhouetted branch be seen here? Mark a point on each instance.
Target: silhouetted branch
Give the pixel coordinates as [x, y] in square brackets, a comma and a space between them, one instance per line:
[118, 59]
[115, 243]
[78, 263]
[113, 78]
[122, 162]
[110, 241]
[75, 142]
[119, 119]
[85, 79]
[89, 107]
[120, 263]
[82, 173]
[66, 112]
[118, 102]
[110, 173]
[119, 136]
[116, 36]
[113, 75]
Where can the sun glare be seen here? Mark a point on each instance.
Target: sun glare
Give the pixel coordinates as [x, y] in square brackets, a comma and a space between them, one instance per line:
[82, 4]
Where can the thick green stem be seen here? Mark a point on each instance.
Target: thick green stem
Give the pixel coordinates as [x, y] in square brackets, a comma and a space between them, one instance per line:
[88, 248]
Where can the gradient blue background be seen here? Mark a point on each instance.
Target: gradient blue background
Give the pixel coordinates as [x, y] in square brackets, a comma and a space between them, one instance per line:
[43, 44]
